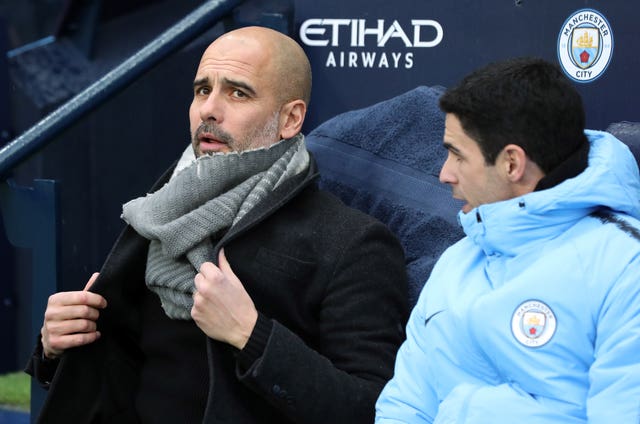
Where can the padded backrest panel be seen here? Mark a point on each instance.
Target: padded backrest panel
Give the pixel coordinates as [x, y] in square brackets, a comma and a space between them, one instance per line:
[385, 160]
[629, 133]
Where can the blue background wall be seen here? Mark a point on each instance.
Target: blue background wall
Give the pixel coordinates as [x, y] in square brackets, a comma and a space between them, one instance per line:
[474, 32]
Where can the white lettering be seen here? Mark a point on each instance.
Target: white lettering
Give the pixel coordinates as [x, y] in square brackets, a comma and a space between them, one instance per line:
[408, 60]
[354, 32]
[331, 61]
[395, 30]
[384, 63]
[335, 31]
[368, 58]
[306, 29]
[353, 60]
[324, 32]
[364, 31]
[396, 58]
[417, 24]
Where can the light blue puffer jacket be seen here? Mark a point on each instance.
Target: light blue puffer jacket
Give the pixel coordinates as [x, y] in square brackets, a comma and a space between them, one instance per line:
[534, 316]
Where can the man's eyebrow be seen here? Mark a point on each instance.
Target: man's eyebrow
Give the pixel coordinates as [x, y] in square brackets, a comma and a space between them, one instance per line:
[239, 84]
[226, 81]
[450, 147]
[200, 82]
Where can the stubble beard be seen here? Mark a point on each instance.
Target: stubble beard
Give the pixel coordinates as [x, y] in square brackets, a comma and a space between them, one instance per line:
[259, 137]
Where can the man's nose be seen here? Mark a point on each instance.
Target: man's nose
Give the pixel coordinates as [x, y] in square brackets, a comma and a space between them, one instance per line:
[211, 108]
[446, 176]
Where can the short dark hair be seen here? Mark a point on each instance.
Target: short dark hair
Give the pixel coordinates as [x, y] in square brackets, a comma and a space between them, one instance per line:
[524, 101]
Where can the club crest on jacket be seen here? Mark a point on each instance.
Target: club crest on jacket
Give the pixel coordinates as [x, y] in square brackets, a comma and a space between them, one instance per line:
[533, 323]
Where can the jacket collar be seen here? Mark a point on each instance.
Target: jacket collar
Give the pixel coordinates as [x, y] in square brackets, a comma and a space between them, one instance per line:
[571, 167]
[509, 227]
[280, 196]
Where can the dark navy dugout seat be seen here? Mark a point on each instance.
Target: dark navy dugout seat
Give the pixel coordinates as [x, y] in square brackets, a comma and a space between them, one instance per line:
[629, 133]
[385, 160]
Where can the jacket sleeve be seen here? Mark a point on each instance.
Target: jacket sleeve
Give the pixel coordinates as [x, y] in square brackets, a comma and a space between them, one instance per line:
[502, 404]
[41, 368]
[614, 393]
[407, 398]
[360, 324]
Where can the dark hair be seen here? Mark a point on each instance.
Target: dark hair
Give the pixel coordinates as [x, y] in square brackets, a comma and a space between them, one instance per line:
[522, 101]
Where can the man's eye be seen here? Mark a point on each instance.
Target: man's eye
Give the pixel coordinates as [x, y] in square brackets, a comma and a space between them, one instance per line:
[202, 91]
[455, 156]
[239, 93]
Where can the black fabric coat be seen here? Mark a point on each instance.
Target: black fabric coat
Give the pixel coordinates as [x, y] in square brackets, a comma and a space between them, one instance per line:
[329, 283]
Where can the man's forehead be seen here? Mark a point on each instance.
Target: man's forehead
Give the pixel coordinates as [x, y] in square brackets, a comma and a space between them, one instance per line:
[238, 59]
[234, 44]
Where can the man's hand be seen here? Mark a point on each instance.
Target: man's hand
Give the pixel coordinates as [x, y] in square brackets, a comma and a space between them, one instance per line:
[70, 320]
[221, 306]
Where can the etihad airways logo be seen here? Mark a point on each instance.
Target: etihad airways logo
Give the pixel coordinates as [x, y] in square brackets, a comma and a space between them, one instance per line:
[366, 40]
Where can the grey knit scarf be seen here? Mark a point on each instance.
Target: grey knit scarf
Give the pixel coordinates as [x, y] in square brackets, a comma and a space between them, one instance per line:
[197, 206]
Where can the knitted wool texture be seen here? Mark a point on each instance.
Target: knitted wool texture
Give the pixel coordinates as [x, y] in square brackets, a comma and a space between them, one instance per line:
[198, 205]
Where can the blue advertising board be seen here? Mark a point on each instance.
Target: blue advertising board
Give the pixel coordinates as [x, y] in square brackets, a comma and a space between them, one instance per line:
[365, 51]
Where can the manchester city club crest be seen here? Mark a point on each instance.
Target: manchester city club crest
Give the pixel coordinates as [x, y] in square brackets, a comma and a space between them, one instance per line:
[585, 49]
[533, 323]
[585, 45]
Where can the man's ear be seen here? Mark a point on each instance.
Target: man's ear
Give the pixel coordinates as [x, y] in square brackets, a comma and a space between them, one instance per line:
[513, 161]
[292, 118]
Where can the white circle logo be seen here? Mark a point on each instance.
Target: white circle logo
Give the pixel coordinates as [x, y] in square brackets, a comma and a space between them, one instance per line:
[533, 323]
[585, 45]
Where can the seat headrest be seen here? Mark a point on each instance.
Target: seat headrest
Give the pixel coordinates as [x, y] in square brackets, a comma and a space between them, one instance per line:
[628, 133]
[385, 160]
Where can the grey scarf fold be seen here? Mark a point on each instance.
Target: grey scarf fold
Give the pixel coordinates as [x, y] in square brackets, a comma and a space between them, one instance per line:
[198, 205]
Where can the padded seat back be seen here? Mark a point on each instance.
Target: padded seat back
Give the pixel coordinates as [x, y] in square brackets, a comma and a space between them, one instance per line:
[628, 133]
[385, 160]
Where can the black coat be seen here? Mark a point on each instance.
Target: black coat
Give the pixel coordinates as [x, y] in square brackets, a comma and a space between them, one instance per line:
[330, 285]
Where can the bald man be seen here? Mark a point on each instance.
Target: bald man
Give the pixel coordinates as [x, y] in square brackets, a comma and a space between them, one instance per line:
[238, 292]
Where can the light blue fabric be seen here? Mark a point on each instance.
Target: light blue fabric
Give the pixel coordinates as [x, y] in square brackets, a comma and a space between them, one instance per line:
[569, 257]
